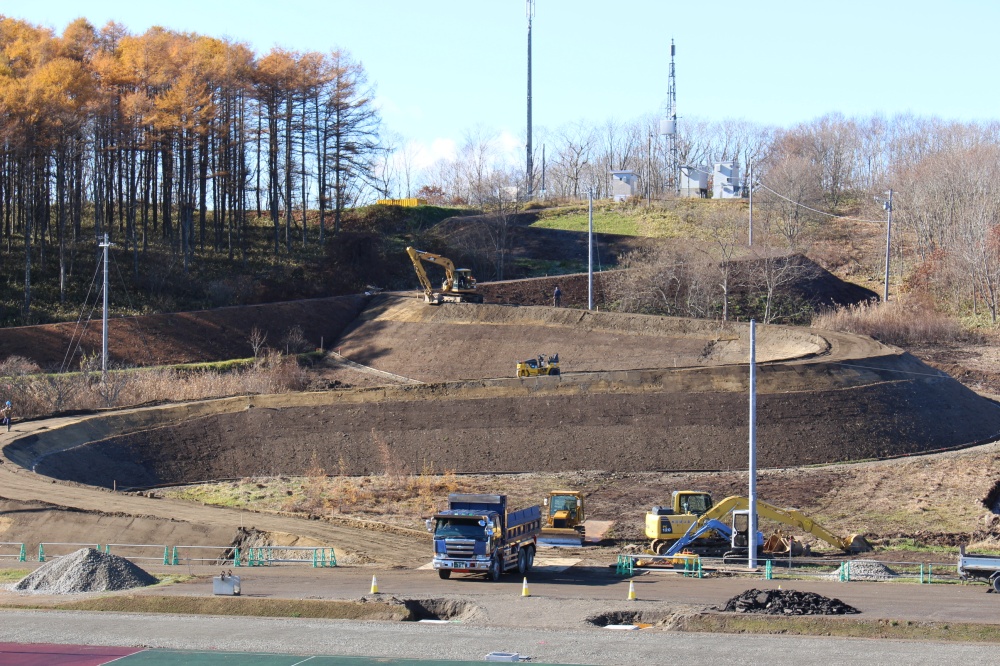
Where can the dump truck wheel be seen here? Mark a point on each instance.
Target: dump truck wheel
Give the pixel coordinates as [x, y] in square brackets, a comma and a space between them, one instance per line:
[495, 569]
[444, 574]
[996, 583]
[522, 561]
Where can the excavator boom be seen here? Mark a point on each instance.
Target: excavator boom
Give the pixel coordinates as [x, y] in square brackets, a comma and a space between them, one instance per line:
[851, 544]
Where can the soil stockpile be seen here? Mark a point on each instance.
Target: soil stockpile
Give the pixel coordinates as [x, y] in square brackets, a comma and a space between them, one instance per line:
[860, 570]
[86, 570]
[787, 602]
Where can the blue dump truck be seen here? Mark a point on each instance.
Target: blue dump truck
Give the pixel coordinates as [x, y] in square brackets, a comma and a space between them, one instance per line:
[478, 535]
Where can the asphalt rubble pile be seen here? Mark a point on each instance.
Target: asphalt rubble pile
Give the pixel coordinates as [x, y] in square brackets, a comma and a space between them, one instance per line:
[862, 570]
[786, 602]
[86, 570]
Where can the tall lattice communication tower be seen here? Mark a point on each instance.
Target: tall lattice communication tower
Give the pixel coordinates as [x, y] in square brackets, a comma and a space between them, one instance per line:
[668, 126]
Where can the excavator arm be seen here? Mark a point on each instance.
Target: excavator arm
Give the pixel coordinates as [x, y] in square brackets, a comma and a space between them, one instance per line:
[851, 544]
[444, 262]
[425, 281]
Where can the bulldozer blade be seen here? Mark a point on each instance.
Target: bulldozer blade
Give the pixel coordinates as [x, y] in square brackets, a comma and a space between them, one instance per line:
[858, 544]
[567, 539]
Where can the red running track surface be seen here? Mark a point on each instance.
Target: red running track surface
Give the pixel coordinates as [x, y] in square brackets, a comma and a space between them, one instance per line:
[43, 654]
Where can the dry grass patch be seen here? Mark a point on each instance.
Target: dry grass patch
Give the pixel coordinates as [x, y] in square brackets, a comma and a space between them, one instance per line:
[902, 322]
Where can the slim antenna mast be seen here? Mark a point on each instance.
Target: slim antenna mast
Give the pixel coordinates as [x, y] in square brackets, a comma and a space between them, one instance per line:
[673, 166]
[530, 11]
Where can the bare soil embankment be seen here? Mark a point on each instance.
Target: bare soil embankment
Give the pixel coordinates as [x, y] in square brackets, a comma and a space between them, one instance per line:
[182, 337]
[640, 393]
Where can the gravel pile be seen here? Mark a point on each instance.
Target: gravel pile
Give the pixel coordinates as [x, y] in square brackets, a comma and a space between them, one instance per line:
[866, 570]
[786, 602]
[86, 570]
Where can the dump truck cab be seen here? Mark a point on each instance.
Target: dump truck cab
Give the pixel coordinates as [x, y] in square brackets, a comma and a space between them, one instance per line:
[477, 534]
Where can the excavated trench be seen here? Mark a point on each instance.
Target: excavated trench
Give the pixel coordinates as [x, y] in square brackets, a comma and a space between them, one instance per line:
[638, 393]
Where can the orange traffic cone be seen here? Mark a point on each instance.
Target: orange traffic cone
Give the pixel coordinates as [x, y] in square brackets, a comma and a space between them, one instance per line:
[374, 585]
[631, 591]
[524, 588]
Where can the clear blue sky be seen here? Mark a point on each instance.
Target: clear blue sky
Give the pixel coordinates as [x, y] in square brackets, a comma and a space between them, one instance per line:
[443, 66]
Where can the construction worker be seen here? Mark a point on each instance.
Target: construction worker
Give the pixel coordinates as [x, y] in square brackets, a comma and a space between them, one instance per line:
[556, 296]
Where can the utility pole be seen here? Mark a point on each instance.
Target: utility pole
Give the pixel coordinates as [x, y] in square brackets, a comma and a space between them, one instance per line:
[104, 314]
[750, 189]
[530, 10]
[888, 244]
[543, 172]
[752, 495]
[887, 204]
[590, 248]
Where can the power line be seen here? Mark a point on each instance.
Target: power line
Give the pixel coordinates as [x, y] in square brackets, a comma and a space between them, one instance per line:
[797, 203]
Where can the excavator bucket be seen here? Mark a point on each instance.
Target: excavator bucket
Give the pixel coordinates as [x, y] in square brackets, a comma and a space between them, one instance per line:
[857, 544]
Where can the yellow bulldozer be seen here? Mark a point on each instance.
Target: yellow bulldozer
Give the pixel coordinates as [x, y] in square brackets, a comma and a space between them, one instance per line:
[693, 509]
[543, 365]
[564, 518]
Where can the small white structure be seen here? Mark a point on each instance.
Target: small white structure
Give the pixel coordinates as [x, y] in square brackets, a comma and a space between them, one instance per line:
[694, 181]
[623, 184]
[726, 180]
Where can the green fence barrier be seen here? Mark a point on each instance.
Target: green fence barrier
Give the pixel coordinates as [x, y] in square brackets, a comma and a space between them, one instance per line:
[41, 547]
[175, 555]
[264, 556]
[22, 555]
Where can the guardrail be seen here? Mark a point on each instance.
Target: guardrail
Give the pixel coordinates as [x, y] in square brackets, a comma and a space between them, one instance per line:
[229, 554]
[41, 548]
[21, 555]
[801, 568]
[165, 558]
[264, 556]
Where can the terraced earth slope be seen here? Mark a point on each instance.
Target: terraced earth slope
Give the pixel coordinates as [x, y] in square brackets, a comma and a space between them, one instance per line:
[639, 393]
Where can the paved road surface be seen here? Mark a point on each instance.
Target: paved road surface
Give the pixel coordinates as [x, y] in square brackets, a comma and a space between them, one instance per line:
[454, 641]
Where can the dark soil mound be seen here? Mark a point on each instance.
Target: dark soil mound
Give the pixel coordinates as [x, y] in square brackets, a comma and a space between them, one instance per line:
[787, 602]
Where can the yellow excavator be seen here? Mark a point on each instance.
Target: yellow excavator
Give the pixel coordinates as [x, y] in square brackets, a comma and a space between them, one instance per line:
[564, 518]
[693, 511]
[458, 286]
